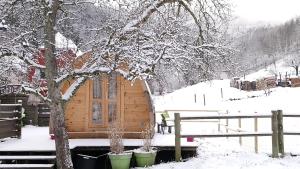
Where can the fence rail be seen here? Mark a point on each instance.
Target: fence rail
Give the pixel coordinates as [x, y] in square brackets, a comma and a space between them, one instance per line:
[277, 130]
[10, 120]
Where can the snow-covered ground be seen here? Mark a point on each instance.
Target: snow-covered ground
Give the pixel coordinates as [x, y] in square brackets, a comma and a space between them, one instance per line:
[226, 154]
[214, 153]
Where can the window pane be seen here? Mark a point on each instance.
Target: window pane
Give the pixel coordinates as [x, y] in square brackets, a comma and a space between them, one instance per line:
[112, 114]
[112, 86]
[97, 93]
[97, 113]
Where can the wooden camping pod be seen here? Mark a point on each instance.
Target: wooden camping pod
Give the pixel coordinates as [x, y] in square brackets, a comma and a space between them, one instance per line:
[105, 98]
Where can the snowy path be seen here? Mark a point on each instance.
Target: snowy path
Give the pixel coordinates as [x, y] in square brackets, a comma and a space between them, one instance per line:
[225, 154]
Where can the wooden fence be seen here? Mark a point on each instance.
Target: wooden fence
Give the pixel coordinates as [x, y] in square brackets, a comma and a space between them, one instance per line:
[277, 130]
[10, 120]
[6, 89]
[43, 114]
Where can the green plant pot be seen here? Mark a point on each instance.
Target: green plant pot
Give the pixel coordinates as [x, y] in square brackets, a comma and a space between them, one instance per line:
[120, 161]
[145, 159]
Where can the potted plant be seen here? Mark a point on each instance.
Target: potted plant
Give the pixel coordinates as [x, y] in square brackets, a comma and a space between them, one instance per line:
[118, 158]
[145, 156]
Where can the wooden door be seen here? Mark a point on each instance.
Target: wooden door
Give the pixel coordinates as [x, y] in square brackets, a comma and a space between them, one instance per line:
[104, 100]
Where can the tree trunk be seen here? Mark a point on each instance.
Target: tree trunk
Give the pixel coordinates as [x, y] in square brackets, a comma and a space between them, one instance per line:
[297, 70]
[63, 154]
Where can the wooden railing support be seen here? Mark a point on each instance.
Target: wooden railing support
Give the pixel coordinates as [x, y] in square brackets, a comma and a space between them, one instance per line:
[240, 127]
[227, 123]
[19, 116]
[256, 138]
[280, 132]
[275, 145]
[177, 138]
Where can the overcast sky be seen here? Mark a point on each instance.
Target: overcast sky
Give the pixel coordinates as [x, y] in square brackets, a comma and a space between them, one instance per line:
[267, 11]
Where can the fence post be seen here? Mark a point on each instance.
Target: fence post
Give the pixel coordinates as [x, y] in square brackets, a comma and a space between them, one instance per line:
[204, 101]
[222, 93]
[19, 121]
[275, 150]
[195, 98]
[227, 123]
[240, 126]
[177, 137]
[280, 132]
[256, 138]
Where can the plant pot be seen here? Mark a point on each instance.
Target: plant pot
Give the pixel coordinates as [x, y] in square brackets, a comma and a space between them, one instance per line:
[120, 161]
[85, 161]
[145, 159]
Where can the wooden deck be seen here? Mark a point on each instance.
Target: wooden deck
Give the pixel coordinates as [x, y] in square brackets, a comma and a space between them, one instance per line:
[37, 139]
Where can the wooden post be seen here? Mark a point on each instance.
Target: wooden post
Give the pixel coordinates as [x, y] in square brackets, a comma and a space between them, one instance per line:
[19, 121]
[275, 150]
[221, 93]
[240, 126]
[204, 102]
[177, 138]
[280, 132]
[279, 77]
[227, 123]
[195, 97]
[219, 125]
[256, 138]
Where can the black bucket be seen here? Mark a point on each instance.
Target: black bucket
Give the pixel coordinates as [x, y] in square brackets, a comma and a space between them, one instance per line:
[85, 162]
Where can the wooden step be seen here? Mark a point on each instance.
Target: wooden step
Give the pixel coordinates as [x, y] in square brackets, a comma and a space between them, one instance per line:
[27, 157]
[27, 166]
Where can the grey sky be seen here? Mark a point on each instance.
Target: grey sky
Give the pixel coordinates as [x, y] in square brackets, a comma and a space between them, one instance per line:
[268, 11]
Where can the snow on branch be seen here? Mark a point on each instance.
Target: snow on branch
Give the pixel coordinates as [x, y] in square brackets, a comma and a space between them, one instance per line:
[31, 62]
[134, 24]
[6, 52]
[94, 70]
[36, 92]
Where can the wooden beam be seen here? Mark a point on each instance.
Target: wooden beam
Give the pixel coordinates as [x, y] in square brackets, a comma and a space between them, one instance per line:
[280, 132]
[28, 157]
[275, 150]
[227, 135]
[225, 117]
[8, 114]
[256, 138]
[291, 115]
[189, 110]
[26, 166]
[177, 138]
[291, 133]
[9, 134]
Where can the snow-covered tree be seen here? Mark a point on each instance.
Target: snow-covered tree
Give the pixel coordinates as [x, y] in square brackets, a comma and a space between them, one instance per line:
[140, 34]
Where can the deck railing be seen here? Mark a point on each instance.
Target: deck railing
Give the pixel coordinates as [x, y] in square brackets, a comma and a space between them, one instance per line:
[10, 120]
[277, 130]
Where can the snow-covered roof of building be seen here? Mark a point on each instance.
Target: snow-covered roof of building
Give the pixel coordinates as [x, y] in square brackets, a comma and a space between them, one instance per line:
[61, 42]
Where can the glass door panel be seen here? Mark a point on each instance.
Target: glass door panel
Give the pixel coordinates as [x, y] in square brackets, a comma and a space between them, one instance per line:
[97, 113]
[104, 109]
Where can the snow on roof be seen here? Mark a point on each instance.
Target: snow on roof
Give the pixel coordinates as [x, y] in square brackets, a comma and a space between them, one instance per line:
[61, 42]
[64, 43]
[280, 67]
